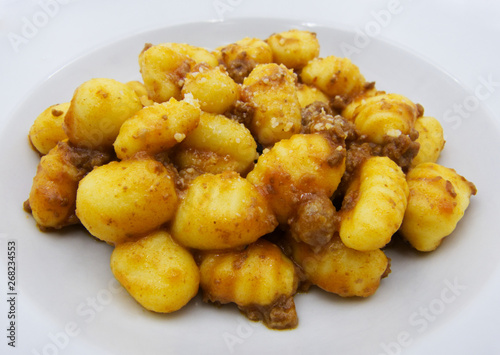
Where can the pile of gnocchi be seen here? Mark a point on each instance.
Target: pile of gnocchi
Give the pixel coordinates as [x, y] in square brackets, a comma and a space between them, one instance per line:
[247, 173]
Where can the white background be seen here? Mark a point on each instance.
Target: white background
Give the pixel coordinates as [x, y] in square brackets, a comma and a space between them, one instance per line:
[459, 36]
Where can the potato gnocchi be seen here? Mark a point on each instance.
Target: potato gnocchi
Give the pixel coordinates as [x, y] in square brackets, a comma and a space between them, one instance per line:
[246, 173]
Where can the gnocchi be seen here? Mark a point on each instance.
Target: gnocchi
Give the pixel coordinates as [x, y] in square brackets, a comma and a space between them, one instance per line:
[270, 90]
[438, 200]
[98, 109]
[216, 145]
[261, 280]
[245, 174]
[121, 201]
[374, 205]
[159, 273]
[156, 128]
[47, 130]
[220, 212]
[339, 269]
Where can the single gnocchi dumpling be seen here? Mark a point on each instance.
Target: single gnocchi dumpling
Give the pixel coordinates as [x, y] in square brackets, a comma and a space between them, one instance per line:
[271, 91]
[97, 111]
[308, 94]
[54, 189]
[212, 87]
[121, 201]
[163, 71]
[305, 163]
[341, 270]
[47, 130]
[374, 205]
[294, 48]
[165, 66]
[53, 193]
[241, 57]
[217, 144]
[385, 115]
[220, 212]
[438, 200]
[430, 138]
[334, 76]
[198, 54]
[156, 128]
[260, 279]
[157, 272]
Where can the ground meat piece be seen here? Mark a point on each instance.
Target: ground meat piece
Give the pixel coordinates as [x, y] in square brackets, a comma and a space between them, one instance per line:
[318, 118]
[239, 68]
[311, 111]
[401, 149]
[86, 159]
[241, 112]
[279, 315]
[53, 194]
[179, 74]
[315, 220]
[338, 103]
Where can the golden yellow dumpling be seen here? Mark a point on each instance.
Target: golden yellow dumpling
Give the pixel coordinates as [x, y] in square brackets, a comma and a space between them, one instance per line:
[156, 128]
[305, 163]
[212, 87]
[430, 138]
[121, 201]
[47, 130]
[241, 57]
[97, 111]
[384, 115]
[260, 279]
[159, 273]
[374, 205]
[334, 76]
[217, 144]
[271, 91]
[341, 270]
[54, 189]
[294, 48]
[221, 211]
[438, 200]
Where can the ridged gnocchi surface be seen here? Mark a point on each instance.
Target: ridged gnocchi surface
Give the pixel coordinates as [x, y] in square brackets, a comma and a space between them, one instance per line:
[438, 199]
[317, 167]
[216, 145]
[341, 270]
[157, 128]
[260, 279]
[385, 115]
[53, 193]
[334, 76]
[374, 205]
[220, 212]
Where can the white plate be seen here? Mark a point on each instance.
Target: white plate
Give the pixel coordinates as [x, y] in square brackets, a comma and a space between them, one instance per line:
[66, 289]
